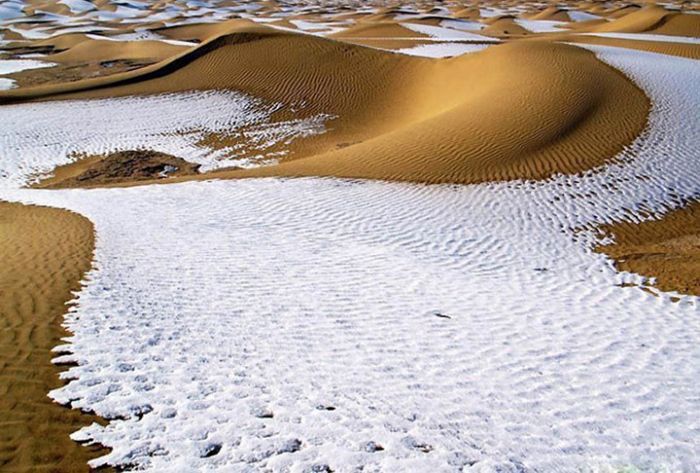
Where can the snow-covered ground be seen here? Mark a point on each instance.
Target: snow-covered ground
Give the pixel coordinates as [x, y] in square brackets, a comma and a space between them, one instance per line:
[6, 84]
[541, 26]
[293, 325]
[50, 134]
[446, 34]
[648, 37]
[10, 66]
[442, 49]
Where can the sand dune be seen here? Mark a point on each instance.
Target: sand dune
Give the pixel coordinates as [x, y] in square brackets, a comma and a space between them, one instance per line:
[680, 25]
[422, 120]
[204, 31]
[551, 13]
[382, 30]
[653, 19]
[476, 138]
[503, 26]
[89, 50]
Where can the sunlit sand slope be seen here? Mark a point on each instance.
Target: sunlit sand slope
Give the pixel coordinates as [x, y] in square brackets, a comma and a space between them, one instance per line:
[468, 119]
[44, 254]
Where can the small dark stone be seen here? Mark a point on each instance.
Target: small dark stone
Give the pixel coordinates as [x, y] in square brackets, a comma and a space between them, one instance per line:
[411, 442]
[290, 446]
[319, 468]
[210, 450]
[372, 447]
[263, 413]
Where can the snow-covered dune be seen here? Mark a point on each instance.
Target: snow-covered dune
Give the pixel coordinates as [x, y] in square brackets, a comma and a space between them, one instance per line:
[323, 323]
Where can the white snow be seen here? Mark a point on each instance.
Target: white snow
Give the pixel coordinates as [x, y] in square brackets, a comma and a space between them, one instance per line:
[492, 12]
[284, 325]
[141, 36]
[577, 15]
[648, 37]
[446, 34]
[78, 6]
[439, 50]
[10, 66]
[6, 84]
[462, 25]
[11, 9]
[541, 26]
[54, 133]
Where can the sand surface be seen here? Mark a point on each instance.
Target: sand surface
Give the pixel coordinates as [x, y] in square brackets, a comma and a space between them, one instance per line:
[667, 249]
[44, 252]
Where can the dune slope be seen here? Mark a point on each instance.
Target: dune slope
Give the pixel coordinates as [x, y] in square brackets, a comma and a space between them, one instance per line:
[44, 254]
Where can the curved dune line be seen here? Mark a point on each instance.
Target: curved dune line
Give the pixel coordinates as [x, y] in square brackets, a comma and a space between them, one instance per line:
[654, 19]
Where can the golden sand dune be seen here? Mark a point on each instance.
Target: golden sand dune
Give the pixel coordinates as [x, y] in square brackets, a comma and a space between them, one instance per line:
[617, 12]
[653, 19]
[203, 31]
[551, 14]
[90, 50]
[384, 34]
[467, 119]
[463, 128]
[680, 24]
[381, 30]
[44, 254]
[469, 13]
[62, 41]
[503, 26]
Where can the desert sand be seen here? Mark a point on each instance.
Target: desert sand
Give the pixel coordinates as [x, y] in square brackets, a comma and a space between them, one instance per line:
[666, 249]
[540, 102]
[45, 253]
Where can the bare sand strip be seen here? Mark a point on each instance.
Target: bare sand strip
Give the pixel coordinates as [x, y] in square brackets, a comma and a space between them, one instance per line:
[44, 254]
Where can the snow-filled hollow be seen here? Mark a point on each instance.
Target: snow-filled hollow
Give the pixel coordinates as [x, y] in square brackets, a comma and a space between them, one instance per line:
[287, 324]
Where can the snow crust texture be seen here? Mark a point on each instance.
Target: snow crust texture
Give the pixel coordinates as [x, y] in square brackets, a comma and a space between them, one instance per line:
[48, 134]
[316, 324]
